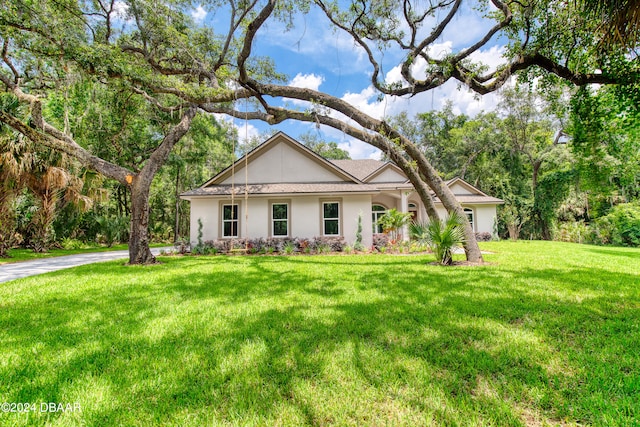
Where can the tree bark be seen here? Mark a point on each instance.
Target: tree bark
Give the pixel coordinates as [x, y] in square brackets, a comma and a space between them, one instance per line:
[139, 251]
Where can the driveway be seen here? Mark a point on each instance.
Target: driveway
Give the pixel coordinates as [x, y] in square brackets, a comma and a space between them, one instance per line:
[18, 270]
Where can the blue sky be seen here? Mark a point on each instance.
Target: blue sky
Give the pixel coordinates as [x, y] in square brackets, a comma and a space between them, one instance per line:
[312, 55]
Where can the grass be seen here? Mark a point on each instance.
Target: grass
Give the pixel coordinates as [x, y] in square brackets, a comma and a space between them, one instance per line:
[546, 334]
[19, 255]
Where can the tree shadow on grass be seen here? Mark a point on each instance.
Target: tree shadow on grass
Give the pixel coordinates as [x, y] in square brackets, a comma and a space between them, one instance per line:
[337, 340]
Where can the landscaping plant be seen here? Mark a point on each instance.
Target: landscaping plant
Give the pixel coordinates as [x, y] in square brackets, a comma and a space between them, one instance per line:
[442, 237]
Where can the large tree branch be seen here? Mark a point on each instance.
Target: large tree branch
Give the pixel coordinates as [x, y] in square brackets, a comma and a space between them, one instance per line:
[160, 154]
[106, 168]
[252, 30]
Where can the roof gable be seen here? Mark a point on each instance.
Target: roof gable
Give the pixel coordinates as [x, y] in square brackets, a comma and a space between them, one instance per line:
[281, 159]
[388, 173]
[460, 187]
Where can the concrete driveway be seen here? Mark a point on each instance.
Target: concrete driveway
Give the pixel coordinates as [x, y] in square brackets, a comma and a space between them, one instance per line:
[18, 270]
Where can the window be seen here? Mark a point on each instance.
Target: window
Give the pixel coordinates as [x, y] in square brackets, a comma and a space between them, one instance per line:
[280, 219]
[413, 210]
[469, 213]
[376, 212]
[229, 220]
[330, 219]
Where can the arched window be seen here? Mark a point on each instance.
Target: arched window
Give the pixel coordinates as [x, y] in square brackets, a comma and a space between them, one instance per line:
[413, 210]
[376, 212]
[469, 213]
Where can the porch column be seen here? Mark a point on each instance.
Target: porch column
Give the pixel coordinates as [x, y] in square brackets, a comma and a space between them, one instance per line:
[404, 208]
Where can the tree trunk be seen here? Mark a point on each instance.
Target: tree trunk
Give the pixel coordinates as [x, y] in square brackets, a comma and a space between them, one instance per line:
[139, 252]
[176, 229]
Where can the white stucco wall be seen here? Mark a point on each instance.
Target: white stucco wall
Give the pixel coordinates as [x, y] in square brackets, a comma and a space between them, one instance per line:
[281, 163]
[205, 210]
[389, 175]
[484, 216]
[305, 217]
[353, 207]
[460, 189]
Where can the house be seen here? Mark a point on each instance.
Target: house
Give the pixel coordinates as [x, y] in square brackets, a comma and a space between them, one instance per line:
[283, 189]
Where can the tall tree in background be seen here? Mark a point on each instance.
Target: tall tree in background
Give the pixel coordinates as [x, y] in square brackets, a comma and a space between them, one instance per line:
[204, 151]
[328, 150]
[605, 130]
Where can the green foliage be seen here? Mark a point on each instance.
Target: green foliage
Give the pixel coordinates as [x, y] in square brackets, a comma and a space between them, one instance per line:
[621, 226]
[392, 222]
[574, 232]
[605, 126]
[358, 246]
[200, 234]
[442, 237]
[513, 219]
[112, 229]
[327, 149]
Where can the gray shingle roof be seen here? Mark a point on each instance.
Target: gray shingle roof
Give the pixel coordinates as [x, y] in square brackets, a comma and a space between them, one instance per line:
[474, 199]
[359, 168]
[283, 188]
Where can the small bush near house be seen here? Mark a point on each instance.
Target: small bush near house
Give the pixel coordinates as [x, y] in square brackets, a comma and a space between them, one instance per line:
[271, 246]
[621, 226]
[333, 244]
[442, 237]
[484, 237]
[380, 241]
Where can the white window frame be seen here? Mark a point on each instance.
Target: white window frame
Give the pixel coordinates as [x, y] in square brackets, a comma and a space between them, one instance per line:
[471, 217]
[325, 219]
[285, 220]
[375, 215]
[224, 221]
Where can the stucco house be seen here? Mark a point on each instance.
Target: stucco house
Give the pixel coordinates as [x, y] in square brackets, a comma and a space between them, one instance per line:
[283, 189]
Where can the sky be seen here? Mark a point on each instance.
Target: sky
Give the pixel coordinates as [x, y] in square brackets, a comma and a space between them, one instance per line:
[314, 56]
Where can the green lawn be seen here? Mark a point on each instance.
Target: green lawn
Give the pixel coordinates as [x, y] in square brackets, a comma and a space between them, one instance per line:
[545, 334]
[18, 255]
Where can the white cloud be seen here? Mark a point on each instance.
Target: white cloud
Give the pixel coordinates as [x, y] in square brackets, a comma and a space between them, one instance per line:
[198, 14]
[120, 9]
[246, 131]
[464, 100]
[307, 81]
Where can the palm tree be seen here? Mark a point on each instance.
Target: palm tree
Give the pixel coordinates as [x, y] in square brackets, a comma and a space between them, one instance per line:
[619, 21]
[10, 186]
[51, 177]
[442, 237]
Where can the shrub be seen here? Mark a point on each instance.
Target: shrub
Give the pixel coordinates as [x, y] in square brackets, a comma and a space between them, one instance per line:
[392, 222]
[71, 244]
[621, 226]
[380, 241]
[574, 232]
[112, 229]
[358, 246]
[288, 247]
[326, 244]
[181, 245]
[442, 237]
[484, 236]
